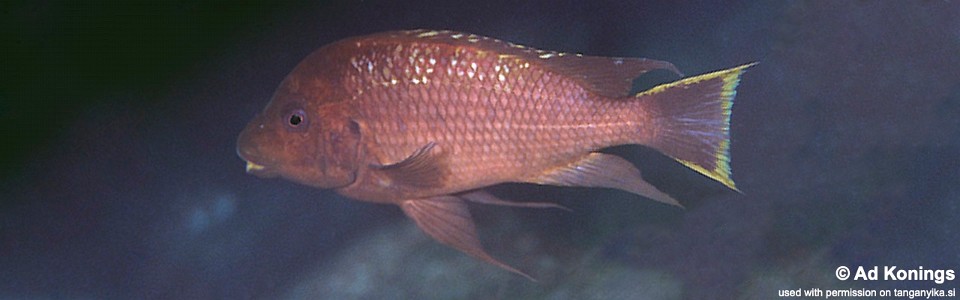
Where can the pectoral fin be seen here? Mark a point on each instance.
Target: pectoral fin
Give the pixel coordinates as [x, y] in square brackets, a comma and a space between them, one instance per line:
[602, 170]
[447, 220]
[422, 168]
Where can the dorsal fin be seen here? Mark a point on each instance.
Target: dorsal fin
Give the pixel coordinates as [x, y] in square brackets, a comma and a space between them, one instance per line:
[607, 76]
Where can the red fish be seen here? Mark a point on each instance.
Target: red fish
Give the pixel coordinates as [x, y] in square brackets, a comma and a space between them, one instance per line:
[426, 119]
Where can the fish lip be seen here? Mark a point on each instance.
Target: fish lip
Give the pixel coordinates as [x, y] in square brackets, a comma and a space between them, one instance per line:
[254, 167]
[260, 170]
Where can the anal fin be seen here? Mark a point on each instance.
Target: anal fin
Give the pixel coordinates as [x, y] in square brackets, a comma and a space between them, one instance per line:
[483, 197]
[447, 219]
[602, 170]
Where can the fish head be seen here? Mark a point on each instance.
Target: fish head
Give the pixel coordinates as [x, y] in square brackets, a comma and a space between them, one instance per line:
[302, 136]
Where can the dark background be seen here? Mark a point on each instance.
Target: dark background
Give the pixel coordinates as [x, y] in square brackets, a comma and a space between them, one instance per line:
[119, 178]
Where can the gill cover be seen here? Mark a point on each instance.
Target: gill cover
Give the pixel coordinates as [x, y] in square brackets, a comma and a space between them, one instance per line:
[340, 149]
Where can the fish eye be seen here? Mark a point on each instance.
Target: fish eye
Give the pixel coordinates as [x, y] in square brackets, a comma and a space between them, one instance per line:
[296, 118]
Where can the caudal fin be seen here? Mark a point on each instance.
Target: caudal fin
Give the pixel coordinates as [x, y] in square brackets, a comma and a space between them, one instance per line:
[692, 118]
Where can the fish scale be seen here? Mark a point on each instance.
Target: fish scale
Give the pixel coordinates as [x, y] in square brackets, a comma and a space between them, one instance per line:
[511, 129]
[426, 119]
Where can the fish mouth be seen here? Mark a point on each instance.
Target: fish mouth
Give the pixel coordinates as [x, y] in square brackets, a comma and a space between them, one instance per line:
[251, 155]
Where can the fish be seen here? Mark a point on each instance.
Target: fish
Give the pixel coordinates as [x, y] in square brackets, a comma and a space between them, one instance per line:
[426, 119]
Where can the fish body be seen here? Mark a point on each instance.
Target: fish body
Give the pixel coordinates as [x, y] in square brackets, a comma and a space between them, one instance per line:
[426, 119]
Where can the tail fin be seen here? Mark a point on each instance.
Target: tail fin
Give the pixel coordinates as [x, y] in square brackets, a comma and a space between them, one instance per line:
[693, 120]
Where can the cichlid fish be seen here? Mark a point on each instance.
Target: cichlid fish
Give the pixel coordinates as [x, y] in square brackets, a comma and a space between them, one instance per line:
[426, 119]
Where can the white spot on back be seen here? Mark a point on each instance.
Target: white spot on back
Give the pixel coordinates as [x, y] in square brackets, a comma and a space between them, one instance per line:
[428, 34]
